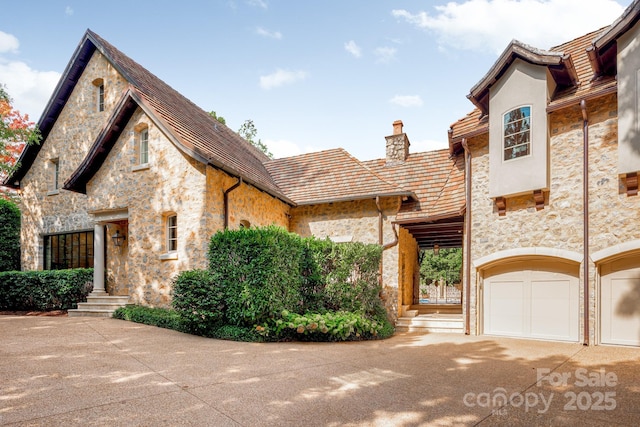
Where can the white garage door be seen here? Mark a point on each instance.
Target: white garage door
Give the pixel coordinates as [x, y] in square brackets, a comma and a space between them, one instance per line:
[532, 299]
[620, 302]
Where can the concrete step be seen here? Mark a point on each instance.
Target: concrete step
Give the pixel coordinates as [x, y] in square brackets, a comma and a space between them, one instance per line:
[437, 308]
[98, 305]
[451, 323]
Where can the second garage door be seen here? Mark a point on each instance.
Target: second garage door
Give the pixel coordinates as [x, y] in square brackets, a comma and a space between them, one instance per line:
[532, 299]
[620, 302]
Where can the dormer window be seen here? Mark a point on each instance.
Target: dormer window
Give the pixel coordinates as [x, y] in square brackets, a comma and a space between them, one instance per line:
[517, 133]
[99, 94]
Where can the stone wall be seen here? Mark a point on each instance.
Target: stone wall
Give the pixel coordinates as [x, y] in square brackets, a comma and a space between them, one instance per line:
[613, 216]
[45, 211]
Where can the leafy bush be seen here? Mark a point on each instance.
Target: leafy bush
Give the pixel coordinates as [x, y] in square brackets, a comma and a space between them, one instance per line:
[200, 304]
[160, 317]
[341, 325]
[9, 236]
[257, 274]
[45, 290]
[258, 271]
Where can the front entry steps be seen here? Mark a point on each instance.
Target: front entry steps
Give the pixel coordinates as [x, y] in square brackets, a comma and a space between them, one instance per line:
[99, 304]
[416, 319]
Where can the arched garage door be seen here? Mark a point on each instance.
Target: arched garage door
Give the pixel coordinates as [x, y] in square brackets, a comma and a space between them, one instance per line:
[620, 302]
[532, 299]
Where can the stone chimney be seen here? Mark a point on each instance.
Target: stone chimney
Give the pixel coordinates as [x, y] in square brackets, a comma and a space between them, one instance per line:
[397, 145]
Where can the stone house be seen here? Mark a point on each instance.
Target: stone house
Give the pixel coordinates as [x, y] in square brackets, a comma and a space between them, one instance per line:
[552, 150]
[132, 179]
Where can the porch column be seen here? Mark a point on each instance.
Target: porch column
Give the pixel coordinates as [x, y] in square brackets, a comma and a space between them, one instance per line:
[98, 259]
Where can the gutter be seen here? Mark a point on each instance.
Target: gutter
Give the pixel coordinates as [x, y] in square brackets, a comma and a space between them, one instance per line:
[467, 237]
[226, 201]
[585, 198]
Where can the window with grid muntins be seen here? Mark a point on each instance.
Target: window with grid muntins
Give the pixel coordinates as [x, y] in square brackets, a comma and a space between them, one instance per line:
[172, 233]
[68, 250]
[517, 133]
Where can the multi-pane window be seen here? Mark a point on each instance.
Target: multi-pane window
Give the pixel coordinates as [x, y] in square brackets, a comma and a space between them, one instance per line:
[172, 233]
[68, 250]
[517, 133]
[101, 97]
[143, 147]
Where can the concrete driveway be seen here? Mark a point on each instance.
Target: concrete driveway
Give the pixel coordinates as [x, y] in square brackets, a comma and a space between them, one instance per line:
[86, 371]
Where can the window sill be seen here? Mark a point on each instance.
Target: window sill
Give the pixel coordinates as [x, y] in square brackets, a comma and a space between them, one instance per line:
[53, 192]
[169, 256]
[141, 167]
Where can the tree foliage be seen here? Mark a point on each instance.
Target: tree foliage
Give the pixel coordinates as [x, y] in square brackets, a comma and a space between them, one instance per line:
[16, 131]
[447, 265]
[217, 117]
[249, 132]
[9, 236]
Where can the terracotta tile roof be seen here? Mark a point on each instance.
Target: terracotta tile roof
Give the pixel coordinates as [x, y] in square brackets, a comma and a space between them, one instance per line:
[587, 87]
[329, 176]
[435, 178]
[192, 127]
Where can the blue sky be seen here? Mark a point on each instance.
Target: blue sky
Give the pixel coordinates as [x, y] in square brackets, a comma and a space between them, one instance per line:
[311, 75]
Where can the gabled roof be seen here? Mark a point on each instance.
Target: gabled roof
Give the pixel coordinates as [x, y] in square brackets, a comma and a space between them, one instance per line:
[587, 84]
[190, 128]
[604, 47]
[560, 66]
[435, 178]
[436, 216]
[330, 176]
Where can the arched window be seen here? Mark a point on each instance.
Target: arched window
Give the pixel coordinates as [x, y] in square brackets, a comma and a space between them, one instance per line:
[517, 133]
[245, 224]
[99, 94]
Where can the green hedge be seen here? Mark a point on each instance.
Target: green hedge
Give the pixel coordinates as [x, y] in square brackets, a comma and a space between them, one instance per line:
[277, 285]
[161, 317]
[44, 290]
[9, 236]
[258, 272]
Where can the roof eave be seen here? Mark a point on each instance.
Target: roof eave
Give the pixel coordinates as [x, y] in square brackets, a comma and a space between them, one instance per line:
[360, 197]
[52, 110]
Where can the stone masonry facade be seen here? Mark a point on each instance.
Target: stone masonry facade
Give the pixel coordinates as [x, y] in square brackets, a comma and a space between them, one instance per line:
[560, 224]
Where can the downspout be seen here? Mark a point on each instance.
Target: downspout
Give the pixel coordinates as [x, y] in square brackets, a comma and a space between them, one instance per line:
[585, 198]
[381, 238]
[226, 201]
[467, 236]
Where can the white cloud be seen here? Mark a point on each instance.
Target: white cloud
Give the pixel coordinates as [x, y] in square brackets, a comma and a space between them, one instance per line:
[259, 3]
[385, 54]
[68, 11]
[353, 48]
[269, 34]
[407, 100]
[8, 43]
[30, 89]
[428, 145]
[489, 25]
[281, 77]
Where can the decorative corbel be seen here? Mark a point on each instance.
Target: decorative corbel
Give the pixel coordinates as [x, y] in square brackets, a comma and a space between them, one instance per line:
[501, 204]
[538, 197]
[632, 184]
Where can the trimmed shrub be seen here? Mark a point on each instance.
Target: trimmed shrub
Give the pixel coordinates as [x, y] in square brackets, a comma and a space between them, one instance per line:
[45, 290]
[258, 271]
[255, 275]
[161, 317]
[197, 301]
[9, 236]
